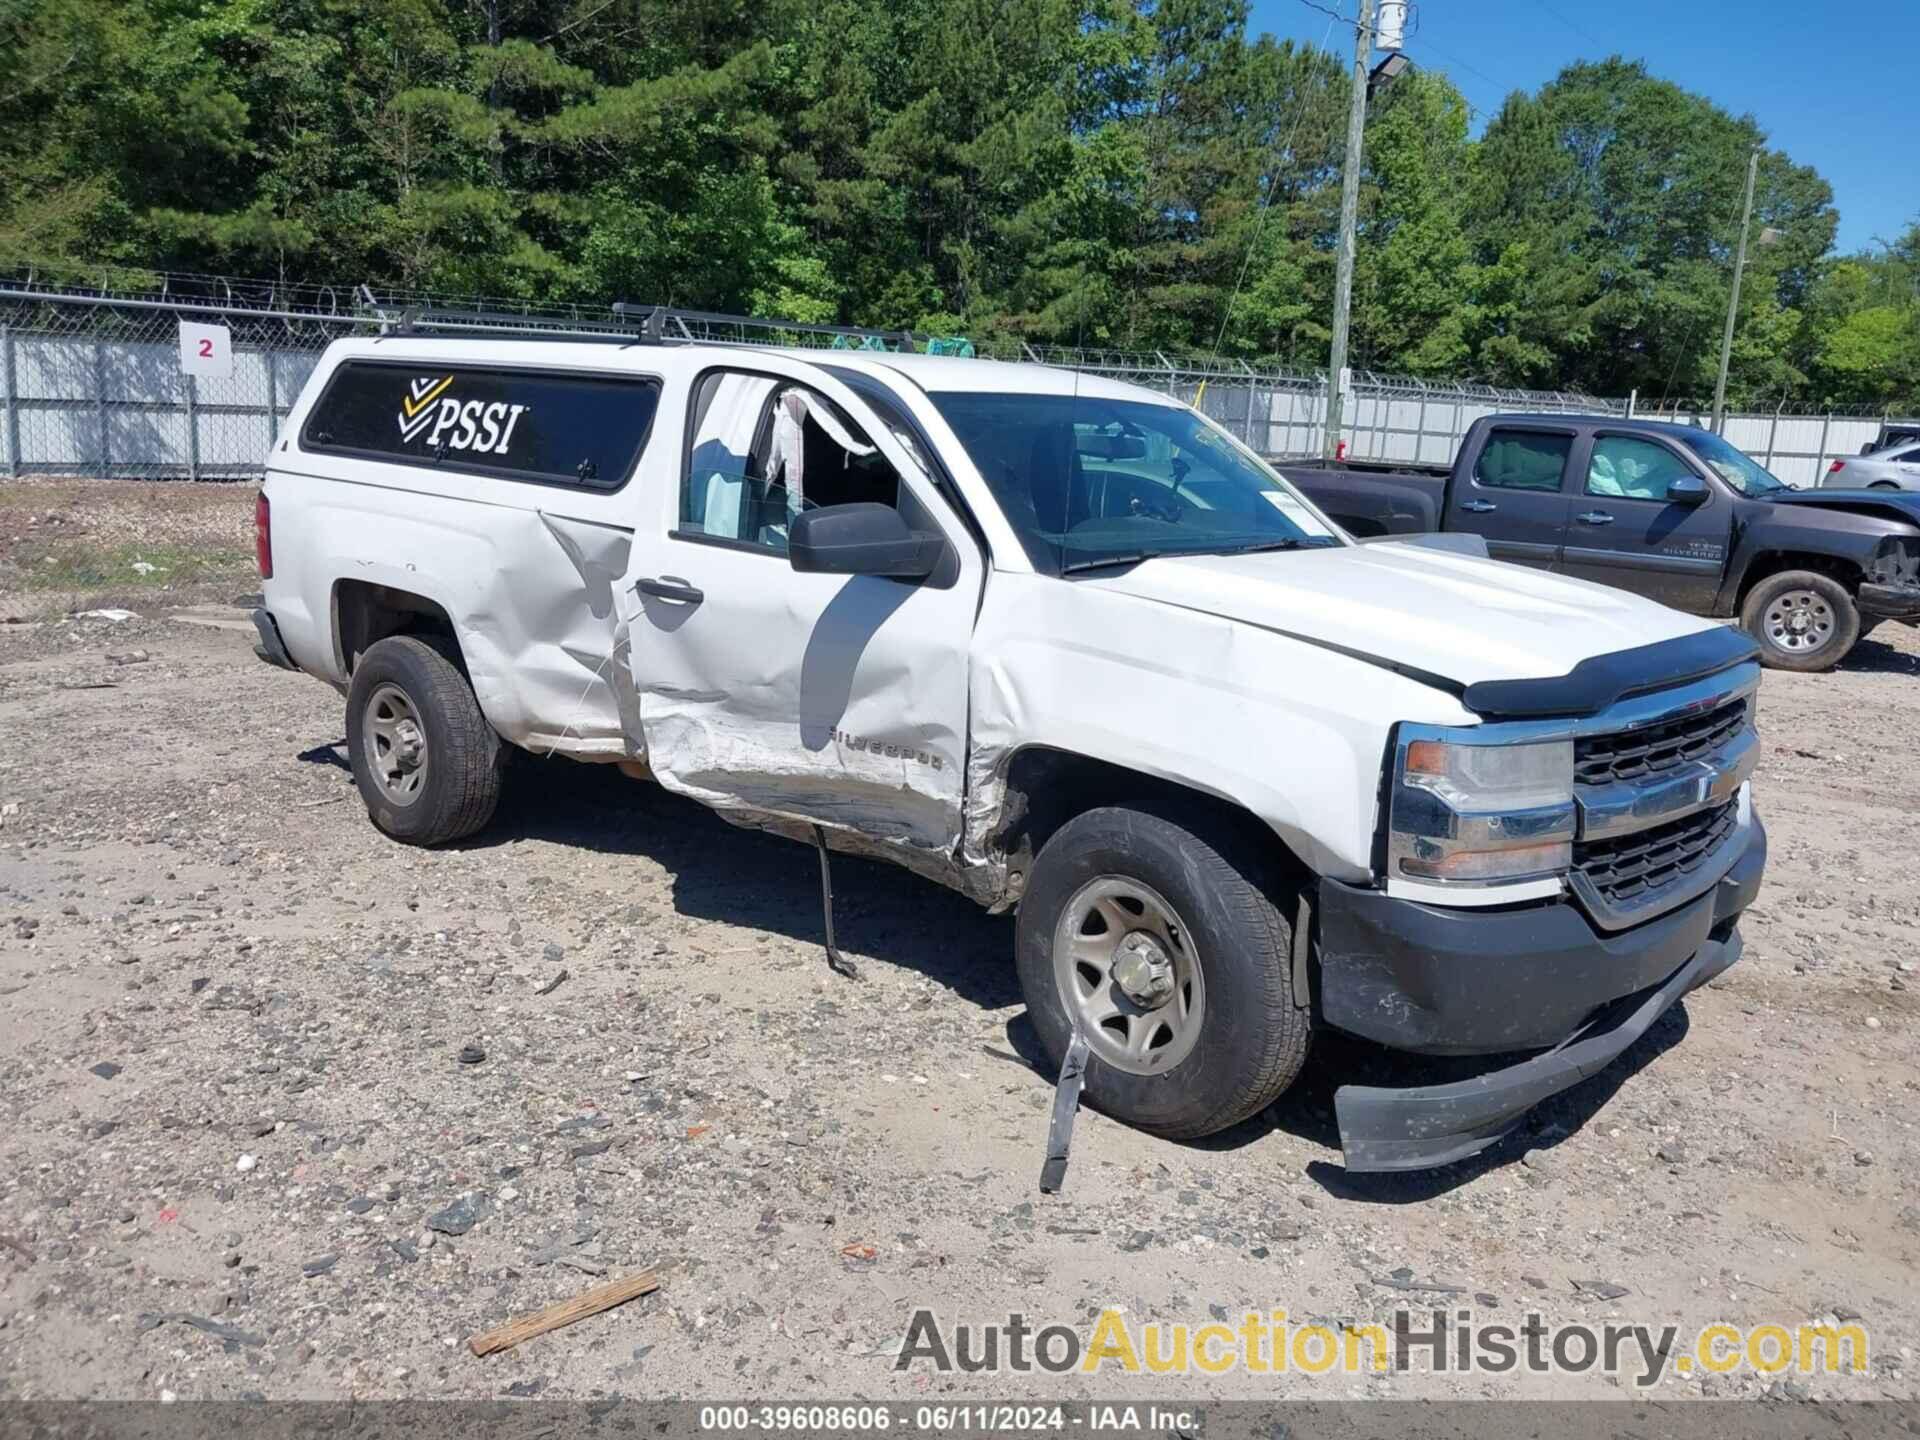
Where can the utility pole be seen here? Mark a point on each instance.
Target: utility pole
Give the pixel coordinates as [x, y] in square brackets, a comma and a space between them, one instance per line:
[1733, 300]
[1349, 219]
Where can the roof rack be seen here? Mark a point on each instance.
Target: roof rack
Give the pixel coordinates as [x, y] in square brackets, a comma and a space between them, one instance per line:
[645, 325]
[666, 322]
[415, 320]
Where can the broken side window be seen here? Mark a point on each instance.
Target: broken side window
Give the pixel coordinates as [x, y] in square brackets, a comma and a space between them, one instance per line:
[764, 449]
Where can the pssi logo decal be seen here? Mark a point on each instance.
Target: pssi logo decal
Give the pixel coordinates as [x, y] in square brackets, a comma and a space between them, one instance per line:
[447, 421]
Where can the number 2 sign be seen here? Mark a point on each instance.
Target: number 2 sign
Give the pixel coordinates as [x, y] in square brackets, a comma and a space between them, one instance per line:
[206, 350]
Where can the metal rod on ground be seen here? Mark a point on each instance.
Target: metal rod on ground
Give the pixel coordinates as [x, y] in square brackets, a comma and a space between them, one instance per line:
[836, 962]
[1349, 220]
[1733, 300]
[1066, 1102]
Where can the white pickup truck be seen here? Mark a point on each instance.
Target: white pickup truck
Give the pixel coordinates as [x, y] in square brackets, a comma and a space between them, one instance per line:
[1064, 645]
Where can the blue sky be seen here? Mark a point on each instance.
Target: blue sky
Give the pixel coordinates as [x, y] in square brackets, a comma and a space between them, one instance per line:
[1822, 80]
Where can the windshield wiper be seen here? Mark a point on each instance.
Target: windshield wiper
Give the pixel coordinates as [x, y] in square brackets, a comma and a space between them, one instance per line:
[1262, 546]
[1074, 567]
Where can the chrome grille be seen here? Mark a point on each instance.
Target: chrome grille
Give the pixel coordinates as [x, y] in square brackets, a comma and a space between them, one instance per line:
[1623, 870]
[1637, 754]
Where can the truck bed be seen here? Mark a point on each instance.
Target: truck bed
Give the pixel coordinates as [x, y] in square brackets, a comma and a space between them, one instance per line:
[1372, 502]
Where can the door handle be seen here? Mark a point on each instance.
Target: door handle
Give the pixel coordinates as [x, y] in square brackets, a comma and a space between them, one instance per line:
[1479, 507]
[1594, 517]
[670, 589]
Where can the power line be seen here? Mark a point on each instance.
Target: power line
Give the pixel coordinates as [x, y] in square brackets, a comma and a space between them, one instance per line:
[1579, 30]
[1327, 10]
[1462, 64]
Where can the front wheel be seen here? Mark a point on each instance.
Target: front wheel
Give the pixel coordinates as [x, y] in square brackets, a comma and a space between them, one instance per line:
[426, 760]
[1171, 956]
[1803, 620]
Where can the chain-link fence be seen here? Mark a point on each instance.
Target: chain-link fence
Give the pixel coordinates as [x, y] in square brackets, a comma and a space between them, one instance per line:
[91, 382]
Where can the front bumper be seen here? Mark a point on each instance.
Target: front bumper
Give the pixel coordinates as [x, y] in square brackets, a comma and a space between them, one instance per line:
[1889, 602]
[1448, 981]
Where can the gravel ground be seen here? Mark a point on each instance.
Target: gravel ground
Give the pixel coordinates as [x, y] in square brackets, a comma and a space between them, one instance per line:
[64, 539]
[234, 1087]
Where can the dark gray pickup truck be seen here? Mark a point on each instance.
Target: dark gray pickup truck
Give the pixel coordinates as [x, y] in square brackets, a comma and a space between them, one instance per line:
[1667, 511]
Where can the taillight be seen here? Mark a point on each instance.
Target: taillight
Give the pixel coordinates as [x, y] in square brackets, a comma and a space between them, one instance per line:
[1836, 467]
[263, 535]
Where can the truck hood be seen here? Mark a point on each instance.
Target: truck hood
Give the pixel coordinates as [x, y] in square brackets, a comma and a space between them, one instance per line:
[1900, 506]
[1425, 611]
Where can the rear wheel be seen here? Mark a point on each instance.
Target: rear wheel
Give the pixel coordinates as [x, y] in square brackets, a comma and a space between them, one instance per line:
[1169, 953]
[1803, 620]
[425, 759]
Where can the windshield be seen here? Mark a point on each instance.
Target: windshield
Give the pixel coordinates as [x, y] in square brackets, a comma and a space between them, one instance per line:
[1092, 482]
[1734, 466]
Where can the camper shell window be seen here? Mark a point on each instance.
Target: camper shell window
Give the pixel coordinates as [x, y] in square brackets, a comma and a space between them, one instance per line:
[544, 426]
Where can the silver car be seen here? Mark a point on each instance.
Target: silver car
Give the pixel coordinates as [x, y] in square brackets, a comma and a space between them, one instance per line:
[1895, 468]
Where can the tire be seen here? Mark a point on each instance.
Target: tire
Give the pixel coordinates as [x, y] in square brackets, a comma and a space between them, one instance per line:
[408, 700]
[1883, 485]
[1825, 607]
[1241, 1044]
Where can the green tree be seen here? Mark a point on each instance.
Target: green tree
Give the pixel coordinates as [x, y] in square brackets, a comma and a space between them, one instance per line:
[1413, 309]
[1124, 173]
[1627, 190]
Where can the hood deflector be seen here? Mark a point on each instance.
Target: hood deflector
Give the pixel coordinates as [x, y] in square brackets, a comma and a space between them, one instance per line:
[1600, 680]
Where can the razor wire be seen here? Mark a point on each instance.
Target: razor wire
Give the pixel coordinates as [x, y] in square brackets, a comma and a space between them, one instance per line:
[91, 385]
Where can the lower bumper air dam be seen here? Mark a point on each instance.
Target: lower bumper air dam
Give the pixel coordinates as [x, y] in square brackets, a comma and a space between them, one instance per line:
[1424, 1126]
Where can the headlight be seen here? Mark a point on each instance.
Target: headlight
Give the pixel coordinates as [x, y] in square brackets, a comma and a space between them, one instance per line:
[1468, 811]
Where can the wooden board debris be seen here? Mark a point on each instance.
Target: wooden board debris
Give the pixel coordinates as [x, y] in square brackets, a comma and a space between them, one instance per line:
[566, 1312]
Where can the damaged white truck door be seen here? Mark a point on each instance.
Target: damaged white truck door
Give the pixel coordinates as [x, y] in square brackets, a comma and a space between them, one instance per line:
[767, 692]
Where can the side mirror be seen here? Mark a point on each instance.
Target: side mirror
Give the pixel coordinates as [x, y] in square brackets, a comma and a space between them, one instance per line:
[1687, 490]
[861, 539]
